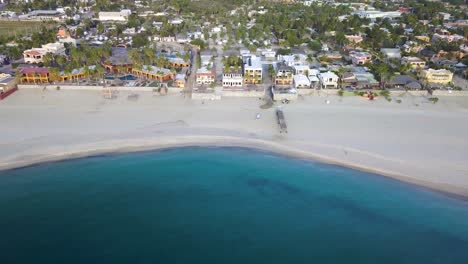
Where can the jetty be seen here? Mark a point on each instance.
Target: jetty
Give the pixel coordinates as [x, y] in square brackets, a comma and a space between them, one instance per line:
[281, 121]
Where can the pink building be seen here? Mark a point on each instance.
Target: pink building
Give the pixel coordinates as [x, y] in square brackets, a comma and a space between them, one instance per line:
[354, 38]
[360, 57]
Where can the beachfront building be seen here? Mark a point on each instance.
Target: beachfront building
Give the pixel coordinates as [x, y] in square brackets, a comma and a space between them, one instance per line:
[301, 81]
[313, 78]
[360, 80]
[360, 57]
[36, 55]
[233, 78]
[153, 72]
[114, 16]
[77, 74]
[403, 82]
[34, 75]
[284, 75]
[431, 76]
[205, 75]
[7, 85]
[253, 71]
[413, 62]
[119, 61]
[328, 80]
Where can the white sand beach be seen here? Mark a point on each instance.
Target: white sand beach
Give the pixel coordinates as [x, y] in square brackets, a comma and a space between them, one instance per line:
[414, 141]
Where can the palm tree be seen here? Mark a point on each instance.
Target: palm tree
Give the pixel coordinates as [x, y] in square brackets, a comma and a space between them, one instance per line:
[340, 72]
[19, 75]
[86, 71]
[60, 60]
[67, 71]
[99, 71]
[75, 57]
[382, 69]
[54, 74]
[48, 59]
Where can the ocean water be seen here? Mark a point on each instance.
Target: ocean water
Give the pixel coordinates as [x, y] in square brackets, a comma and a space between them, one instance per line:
[222, 205]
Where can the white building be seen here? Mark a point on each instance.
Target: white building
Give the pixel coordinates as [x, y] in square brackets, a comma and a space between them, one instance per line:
[301, 69]
[328, 80]
[325, 47]
[69, 40]
[36, 55]
[371, 14]
[115, 16]
[293, 59]
[391, 53]
[233, 79]
[301, 81]
[314, 80]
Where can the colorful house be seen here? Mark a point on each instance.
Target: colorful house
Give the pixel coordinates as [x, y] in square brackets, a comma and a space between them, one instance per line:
[253, 70]
[34, 75]
[284, 75]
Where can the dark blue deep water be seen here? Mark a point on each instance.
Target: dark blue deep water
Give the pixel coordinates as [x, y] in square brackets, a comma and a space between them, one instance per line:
[222, 205]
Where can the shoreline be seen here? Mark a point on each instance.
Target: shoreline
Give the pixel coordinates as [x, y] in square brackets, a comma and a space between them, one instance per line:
[413, 141]
[226, 142]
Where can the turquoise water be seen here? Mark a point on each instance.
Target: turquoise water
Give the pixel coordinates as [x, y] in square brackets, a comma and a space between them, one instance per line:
[222, 205]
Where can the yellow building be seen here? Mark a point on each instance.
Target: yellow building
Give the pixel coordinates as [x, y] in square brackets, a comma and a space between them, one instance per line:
[414, 62]
[423, 38]
[153, 72]
[34, 75]
[436, 76]
[284, 75]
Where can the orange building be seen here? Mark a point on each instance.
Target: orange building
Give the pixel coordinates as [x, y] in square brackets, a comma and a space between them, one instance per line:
[62, 32]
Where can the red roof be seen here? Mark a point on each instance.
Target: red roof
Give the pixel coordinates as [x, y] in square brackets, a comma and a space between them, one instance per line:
[33, 52]
[34, 70]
